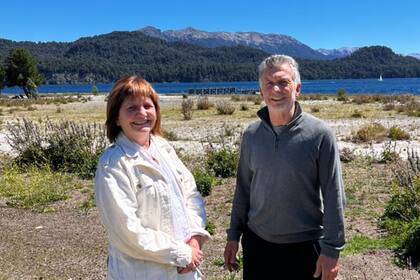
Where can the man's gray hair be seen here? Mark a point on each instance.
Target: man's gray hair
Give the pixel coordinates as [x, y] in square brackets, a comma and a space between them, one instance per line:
[277, 60]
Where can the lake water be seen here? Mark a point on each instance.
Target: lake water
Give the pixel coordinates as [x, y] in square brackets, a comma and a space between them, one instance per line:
[351, 86]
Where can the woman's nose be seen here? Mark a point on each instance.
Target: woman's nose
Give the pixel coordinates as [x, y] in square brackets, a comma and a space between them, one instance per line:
[276, 88]
[142, 111]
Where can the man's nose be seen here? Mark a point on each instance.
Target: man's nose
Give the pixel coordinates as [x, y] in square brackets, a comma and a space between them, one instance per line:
[276, 88]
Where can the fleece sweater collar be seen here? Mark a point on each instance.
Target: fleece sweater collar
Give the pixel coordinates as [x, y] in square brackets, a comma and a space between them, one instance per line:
[265, 117]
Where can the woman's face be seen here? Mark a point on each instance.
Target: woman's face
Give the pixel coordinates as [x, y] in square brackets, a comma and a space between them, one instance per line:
[137, 117]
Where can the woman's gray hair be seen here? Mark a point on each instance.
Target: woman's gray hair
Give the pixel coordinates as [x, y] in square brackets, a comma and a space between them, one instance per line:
[278, 60]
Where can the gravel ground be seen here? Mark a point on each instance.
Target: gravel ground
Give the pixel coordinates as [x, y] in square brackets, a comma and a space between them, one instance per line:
[71, 244]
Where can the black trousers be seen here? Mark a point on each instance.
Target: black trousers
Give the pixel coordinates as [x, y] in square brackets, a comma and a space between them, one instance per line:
[266, 260]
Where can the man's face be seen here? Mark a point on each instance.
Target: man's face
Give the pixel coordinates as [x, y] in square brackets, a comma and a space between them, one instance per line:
[278, 89]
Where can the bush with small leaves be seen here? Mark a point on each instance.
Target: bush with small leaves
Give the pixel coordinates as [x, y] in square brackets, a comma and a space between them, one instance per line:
[204, 181]
[341, 95]
[66, 146]
[223, 162]
[371, 132]
[224, 107]
[203, 103]
[187, 108]
[347, 155]
[401, 218]
[396, 133]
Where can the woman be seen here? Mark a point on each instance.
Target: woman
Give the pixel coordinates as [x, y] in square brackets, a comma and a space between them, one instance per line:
[147, 199]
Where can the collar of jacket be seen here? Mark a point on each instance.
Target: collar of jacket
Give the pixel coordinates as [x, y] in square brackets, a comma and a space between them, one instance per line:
[264, 116]
[131, 151]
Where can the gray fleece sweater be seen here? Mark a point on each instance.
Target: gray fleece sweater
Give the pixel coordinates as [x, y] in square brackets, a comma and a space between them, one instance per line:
[289, 186]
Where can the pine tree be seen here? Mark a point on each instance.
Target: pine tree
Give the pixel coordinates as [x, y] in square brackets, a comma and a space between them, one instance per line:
[21, 71]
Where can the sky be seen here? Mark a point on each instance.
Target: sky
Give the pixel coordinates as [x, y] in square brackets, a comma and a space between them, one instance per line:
[325, 24]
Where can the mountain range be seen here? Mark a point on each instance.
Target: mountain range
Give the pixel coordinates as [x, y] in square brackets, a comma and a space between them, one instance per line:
[269, 43]
[191, 56]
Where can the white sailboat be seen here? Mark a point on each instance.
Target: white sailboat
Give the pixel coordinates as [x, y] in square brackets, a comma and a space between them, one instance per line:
[380, 78]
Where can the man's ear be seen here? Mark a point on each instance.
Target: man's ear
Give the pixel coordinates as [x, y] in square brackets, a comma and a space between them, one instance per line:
[298, 89]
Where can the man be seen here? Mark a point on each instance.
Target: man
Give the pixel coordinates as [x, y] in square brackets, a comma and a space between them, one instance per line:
[289, 198]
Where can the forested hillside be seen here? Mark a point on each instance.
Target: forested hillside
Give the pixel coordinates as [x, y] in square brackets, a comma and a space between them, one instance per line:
[105, 58]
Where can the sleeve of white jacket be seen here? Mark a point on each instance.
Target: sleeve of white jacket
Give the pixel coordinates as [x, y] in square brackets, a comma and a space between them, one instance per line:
[117, 206]
[194, 201]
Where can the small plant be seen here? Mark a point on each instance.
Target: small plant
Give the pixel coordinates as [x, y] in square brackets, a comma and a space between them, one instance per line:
[203, 103]
[224, 107]
[389, 154]
[67, 146]
[204, 181]
[347, 155]
[255, 98]
[357, 114]
[210, 227]
[236, 98]
[36, 189]
[396, 133]
[315, 109]
[187, 108]
[244, 107]
[95, 90]
[170, 135]
[371, 132]
[341, 95]
[401, 218]
[222, 162]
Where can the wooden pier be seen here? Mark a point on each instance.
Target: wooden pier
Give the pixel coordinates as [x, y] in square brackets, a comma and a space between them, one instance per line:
[221, 90]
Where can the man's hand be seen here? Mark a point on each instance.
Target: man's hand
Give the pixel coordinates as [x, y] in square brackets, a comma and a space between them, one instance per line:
[326, 266]
[231, 250]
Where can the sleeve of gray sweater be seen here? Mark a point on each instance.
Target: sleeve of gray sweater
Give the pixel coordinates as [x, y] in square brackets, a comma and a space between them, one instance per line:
[241, 198]
[333, 196]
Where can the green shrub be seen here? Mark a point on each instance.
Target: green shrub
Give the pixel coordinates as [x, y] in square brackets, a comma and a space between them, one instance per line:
[95, 90]
[36, 189]
[204, 181]
[223, 162]
[210, 227]
[396, 133]
[410, 245]
[401, 218]
[341, 95]
[224, 107]
[66, 146]
[371, 132]
[187, 108]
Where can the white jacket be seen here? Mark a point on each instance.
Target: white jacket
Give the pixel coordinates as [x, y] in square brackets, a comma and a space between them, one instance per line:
[132, 199]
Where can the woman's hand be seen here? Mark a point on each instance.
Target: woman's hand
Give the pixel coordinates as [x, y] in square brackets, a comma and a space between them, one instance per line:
[197, 255]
